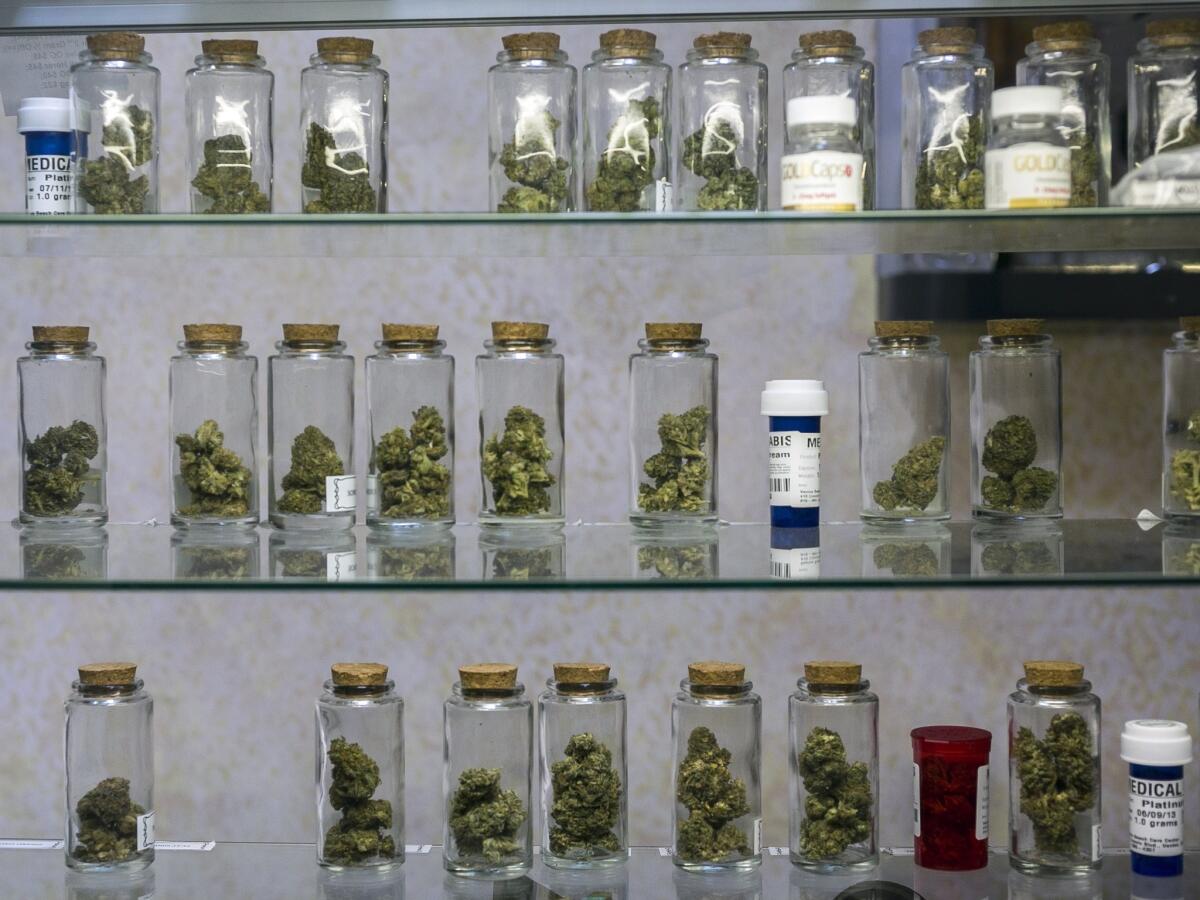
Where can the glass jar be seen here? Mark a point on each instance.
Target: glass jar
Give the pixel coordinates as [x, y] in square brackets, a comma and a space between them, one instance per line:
[519, 383]
[716, 727]
[360, 769]
[531, 126]
[904, 424]
[310, 411]
[821, 167]
[114, 87]
[412, 555]
[1067, 55]
[833, 721]
[488, 774]
[1028, 160]
[1181, 423]
[1164, 90]
[950, 797]
[1054, 770]
[673, 427]
[920, 550]
[1016, 422]
[228, 102]
[1017, 548]
[313, 555]
[63, 436]
[110, 770]
[584, 781]
[214, 429]
[532, 554]
[946, 90]
[723, 149]
[626, 125]
[343, 128]
[215, 554]
[54, 554]
[1180, 549]
[830, 63]
[675, 554]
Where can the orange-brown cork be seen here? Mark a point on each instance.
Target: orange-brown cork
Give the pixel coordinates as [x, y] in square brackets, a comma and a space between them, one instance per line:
[1015, 327]
[580, 673]
[359, 674]
[345, 49]
[632, 41]
[722, 40]
[711, 673]
[832, 671]
[60, 334]
[543, 43]
[488, 677]
[309, 333]
[212, 333]
[108, 673]
[673, 331]
[1053, 673]
[520, 331]
[116, 44]
[903, 328]
[836, 38]
[233, 50]
[953, 39]
[409, 333]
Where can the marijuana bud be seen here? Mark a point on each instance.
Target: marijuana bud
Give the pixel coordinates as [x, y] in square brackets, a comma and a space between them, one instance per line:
[417, 563]
[713, 799]
[341, 176]
[227, 179]
[515, 464]
[314, 458]
[950, 176]
[107, 821]
[711, 153]
[690, 561]
[911, 559]
[626, 167]
[1058, 780]
[837, 810]
[216, 563]
[1085, 170]
[105, 183]
[531, 163]
[1018, 558]
[484, 818]
[914, 481]
[587, 800]
[53, 561]
[362, 832]
[1185, 466]
[219, 482]
[58, 467]
[521, 564]
[1009, 449]
[412, 483]
[680, 469]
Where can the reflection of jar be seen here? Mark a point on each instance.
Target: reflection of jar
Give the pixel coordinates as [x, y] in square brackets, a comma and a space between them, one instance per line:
[676, 556]
[54, 554]
[1086, 886]
[611, 883]
[795, 552]
[1181, 423]
[1180, 550]
[411, 556]
[719, 885]
[351, 884]
[1164, 90]
[313, 556]
[523, 556]
[1006, 548]
[950, 797]
[921, 551]
[214, 554]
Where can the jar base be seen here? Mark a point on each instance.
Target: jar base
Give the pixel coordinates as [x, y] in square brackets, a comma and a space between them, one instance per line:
[185, 523]
[1052, 870]
[490, 873]
[368, 870]
[876, 518]
[137, 864]
[75, 520]
[402, 526]
[518, 523]
[601, 862]
[834, 867]
[749, 863]
[994, 515]
[672, 522]
[301, 522]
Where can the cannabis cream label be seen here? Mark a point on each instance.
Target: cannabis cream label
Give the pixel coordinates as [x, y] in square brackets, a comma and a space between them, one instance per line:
[794, 465]
[1028, 176]
[822, 181]
[341, 493]
[1155, 817]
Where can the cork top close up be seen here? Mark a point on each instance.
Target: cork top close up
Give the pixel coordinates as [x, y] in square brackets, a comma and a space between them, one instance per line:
[116, 44]
[581, 673]
[61, 334]
[832, 671]
[403, 332]
[1053, 673]
[673, 331]
[520, 331]
[1015, 327]
[488, 677]
[834, 38]
[108, 673]
[722, 40]
[234, 50]
[1075, 32]
[904, 328]
[322, 334]
[946, 38]
[206, 333]
[359, 674]
[534, 43]
[632, 40]
[345, 49]
[711, 673]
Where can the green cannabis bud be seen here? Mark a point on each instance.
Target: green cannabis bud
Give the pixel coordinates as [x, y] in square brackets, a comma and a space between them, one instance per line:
[519, 564]
[587, 800]
[342, 177]
[680, 469]
[1018, 558]
[216, 563]
[914, 481]
[227, 179]
[626, 167]
[412, 483]
[58, 467]
[53, 561]
[416, 563]
[1085, 170]
[837, 810]
[515, 464]
[106, 183]
[107, 818]
[215, 475]
[913, 560]
[1058, 780]
[531, 163]
[1185, 467]
[314, 458]
[484, 819]
[950, 176]
[363, 831]
[711, 153]
[302, 563]
[1009, 448]
[675, 562]
[713, 799]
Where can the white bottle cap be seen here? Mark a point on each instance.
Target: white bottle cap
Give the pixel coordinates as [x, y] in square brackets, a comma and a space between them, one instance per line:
[795, 398]
[1156, 742]
[1029, 100]
[824, 109]
[44, 114]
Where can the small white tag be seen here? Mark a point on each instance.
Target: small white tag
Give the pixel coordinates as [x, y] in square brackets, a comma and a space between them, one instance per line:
[341, 566]
[1147, 520]
[18, 844]
[981, 803]
[196, 846]
[1097, 847]
[664, 851]
[664, 196]
[757, 845]
[145, 831]
[372, 492]
[1165, 192]
[341, 493]
[916, 800]
[776, 851]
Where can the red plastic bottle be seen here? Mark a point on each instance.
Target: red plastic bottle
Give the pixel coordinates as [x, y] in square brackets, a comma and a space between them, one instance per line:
[950, 796]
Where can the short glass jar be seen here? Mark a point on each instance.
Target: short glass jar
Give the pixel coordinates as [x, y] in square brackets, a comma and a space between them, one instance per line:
[343, 128]
[410, 403]
[360, 769]
[64, 554]
[310, 411]
[626, 125]
[723, 135]
[110, 770]
[1028, 159]
[1181, 423]
[488, 774]
[63, 435]
[214, 428]
[584, 779]
[531, 126]
[950, 797]
[228, 102]
[1164, 90]
[833, 722]
[716, 727]
[904, 424]
[1016, 422]
[1054, 770]
[821, 167]
[673, 427]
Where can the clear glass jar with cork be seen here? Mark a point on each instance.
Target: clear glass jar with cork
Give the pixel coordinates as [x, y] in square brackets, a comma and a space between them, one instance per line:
[1054, 770]
[584, 779]
[360, 769]
[716, 727]
[531, 126]
[109, 753]
[1181, 423]
[214, 428]
[673, 427]
[310, 412]
[1164, 101]
[626, 125]
[113, 88]
[63, 432]
[228, 102]
[904, 424]
[1016, 422]
[519, 384]
[488, 774]
[343, 128]
[410, 402]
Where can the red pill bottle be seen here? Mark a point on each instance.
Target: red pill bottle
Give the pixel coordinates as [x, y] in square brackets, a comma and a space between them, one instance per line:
[950, 796]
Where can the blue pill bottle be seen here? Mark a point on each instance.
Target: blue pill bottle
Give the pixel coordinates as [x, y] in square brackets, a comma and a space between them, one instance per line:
[1156, 750]
[49, 155]
[794, 409]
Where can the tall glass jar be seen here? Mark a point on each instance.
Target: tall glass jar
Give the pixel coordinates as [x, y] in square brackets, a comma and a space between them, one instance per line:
[214, 428]
[1181, 423]
[723, 99]
[519, 383]
[228, 102]
[584, 780]
[626, 125]
[946, 89]
[716, 727]
[110, 770]
[360, 769]
[488, 774]
[115, 89]
[1067, 55]
[904, 424]
[833, 721]
[830, 63]
[1028, 159]
[673, 427]
[63, 436]
[310, 411]
[531, 126]
[1016, 422]
[1054, 770]
[1164, 90]
[343, 128]
[410, 402]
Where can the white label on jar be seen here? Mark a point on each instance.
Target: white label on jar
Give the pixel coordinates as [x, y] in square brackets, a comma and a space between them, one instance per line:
[49, 185]
[664, 196]
[1155, 817]
[799, 562]
[1165, 192]
[981, 803]
[196, 846]
[1097, 847]
[341, 566]
[822, 181]
[1028, 176]
[757, 846]
[29, 844]
[341, 493]
[145, 831]
[916, 800]
[795, 468]
[372, 491]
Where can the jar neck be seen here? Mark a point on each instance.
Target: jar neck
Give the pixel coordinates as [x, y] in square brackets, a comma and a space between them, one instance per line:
[673, 347]
[311, 348]
[240, 62]
[1025, 122]
[60, 348]
[345, 61]
[487, 695]
[722, 55]
[1016, 341]
[905, 343]
[628, 55]
[424, 349]
[716, 693]
[118, 57]
[363, 692]
[532, 58]
[597, 690]
[850, 690]
[820, 131]
[107, 690]
[965, 52]
[1062, 691]
[231, 349]
[524, 347]
[840, 53]
[1077, 48]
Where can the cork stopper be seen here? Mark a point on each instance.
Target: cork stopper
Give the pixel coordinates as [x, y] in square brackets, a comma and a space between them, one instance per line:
[716, 674]
[950, 39]
[1063, 34]
[1174, 32]
[832, 671]
[409, 333]
[231, 50]
[60, 334]
[520, 331]
[212, 334]
[345, 49]
[673, 331]
[723, 40]
[106, 674]
[533, 44]
[628, 42]
[903, 328]
[116, 44]
[1189, 323]
[320, 334]
[1053, 673]
[488, 677]
[580, 673]
[359, 674]
[1015, 327]
[843, 40]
